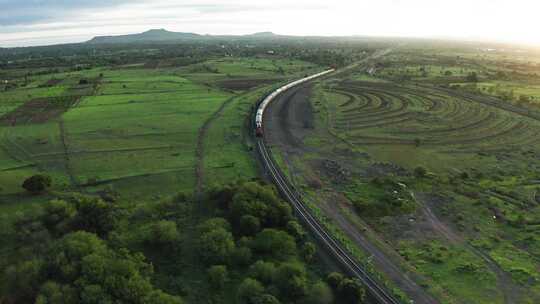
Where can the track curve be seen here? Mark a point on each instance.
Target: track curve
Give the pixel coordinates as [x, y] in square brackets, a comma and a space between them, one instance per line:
[375, 288]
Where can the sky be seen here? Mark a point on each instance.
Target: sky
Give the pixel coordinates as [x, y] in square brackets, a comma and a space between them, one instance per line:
[42, 22]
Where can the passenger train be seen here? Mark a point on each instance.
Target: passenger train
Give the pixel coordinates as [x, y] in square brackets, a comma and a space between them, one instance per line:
[269, 98]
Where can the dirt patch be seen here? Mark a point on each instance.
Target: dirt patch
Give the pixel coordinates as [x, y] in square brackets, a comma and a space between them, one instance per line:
[385, 169]
[39, 110]
[243, 84]
[332, 170]
[51, 83]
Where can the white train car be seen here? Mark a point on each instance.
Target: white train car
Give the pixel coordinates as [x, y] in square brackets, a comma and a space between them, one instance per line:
[269, 98]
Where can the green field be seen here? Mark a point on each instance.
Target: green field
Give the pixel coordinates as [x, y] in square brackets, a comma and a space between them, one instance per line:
[419, 156]
[136, 137]
[138, 131]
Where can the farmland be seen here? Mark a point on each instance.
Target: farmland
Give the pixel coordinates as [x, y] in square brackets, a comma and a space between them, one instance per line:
[441, 172]
[421, 159]
[153, 151]
[132, 130]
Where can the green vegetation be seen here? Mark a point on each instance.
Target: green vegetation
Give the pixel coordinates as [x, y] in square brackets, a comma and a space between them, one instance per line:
[94, 148]
[177, 250]
[414, 150]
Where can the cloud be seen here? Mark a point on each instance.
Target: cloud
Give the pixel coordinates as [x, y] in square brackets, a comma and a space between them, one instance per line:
[17, 12]
[30, 22]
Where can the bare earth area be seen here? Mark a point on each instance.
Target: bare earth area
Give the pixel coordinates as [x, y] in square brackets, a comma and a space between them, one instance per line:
[288, 121]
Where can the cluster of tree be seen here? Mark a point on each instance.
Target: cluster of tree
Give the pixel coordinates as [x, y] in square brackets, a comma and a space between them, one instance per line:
[257, 236]
[47, 59]
[81, 268]
[84, 250]
[72, 262]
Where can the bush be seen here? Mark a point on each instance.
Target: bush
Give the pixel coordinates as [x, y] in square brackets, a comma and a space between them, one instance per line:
[292, 280]
[249, 225]
[37, 183]
[334, 279]
[163, 233]
[262, 271]
[275, 243]
[249, 290]
[218, 276]
[320, 293]
[351, 291]
[242, 256]
[308, 251]
[216, 246]
[420, 172]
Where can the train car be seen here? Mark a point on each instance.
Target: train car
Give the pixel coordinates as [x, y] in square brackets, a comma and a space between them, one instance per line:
[260, 111]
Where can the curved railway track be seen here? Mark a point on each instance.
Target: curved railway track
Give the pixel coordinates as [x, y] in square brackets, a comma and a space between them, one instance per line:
[344, 258]
[375, 289]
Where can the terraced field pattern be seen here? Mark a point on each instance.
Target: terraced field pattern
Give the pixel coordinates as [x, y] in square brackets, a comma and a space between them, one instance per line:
[378, 114]
[444, 180]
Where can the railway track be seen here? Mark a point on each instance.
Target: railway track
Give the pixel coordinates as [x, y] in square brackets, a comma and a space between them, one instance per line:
[344, 258]
[375, 288]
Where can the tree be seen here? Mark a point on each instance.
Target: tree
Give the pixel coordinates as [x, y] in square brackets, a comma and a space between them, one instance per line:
[159, 297]
[24, 280]
[261, 202]
[308, 251]
[37, 183]
[292, 280]
[265, 299]
[334, 279]
[99, 274]
[242, 256]
[351, 291]
[262, 271]
[275, 243]
[216, 246]
[214, 223]
[52, 292]
[218, 276]
[96, 216]
[163, 233]
[320, 293]
[249, 225]
[296, 230]
[57, 215]
[248, 291]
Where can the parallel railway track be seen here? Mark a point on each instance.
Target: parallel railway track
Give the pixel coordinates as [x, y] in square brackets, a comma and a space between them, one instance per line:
[344, 258]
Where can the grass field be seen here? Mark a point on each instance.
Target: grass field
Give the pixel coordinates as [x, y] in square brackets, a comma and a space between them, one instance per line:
[141, 134]
[134, 131]
[468, 221]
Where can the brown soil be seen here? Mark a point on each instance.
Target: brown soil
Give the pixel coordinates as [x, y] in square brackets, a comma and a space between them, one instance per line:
[51, 83]
[287, 123]
[39, 110]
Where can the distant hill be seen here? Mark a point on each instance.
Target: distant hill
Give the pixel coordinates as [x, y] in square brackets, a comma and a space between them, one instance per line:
[263, 34]
[155, 35]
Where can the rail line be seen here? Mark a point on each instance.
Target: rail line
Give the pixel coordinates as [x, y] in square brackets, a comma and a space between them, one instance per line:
[377, 290]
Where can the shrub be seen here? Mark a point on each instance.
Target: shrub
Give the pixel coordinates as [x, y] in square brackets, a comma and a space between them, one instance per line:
[249, 290]
[218, 276]
[37, 183]
[420, 172]
[216, 246]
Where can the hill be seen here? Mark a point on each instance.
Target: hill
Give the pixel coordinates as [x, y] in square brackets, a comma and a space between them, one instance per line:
[154, 35]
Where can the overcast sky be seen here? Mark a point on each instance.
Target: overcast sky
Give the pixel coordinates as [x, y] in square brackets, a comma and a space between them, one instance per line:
[39, 22]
